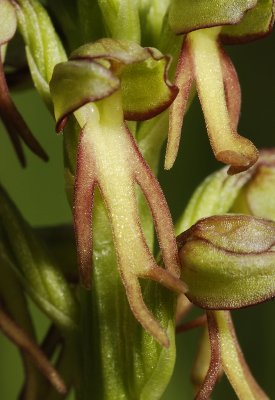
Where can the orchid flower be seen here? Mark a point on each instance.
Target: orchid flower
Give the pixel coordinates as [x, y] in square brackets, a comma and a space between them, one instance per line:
[118, 80]
[203, 62]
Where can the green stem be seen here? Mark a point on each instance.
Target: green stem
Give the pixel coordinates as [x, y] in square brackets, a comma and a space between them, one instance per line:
[120, 360]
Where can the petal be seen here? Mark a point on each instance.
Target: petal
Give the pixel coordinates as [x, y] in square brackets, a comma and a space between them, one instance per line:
[215, 195]
[27, 345]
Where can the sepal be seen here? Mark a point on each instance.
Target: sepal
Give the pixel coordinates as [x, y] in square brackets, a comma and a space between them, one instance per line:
[257, 22]
[108, 65]
[184, 18]
[36, 270]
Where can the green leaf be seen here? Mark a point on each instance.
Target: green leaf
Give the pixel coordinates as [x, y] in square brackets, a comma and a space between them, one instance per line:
[228, 261]
[7, 21]
[185, 17]
[40, 277]
[256, 23]
[43, 46]
[215, 195]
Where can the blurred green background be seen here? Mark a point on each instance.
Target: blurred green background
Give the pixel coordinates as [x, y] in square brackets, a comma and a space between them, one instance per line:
[39, 193]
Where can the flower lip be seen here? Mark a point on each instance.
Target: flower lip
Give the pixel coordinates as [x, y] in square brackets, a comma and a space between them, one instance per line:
[203, 62]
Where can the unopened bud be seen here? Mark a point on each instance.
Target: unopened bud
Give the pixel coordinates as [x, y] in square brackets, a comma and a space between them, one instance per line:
[228, 261]
[257, 197]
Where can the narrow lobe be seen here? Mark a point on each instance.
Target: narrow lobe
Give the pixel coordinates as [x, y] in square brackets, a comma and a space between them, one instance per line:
[85, 181]
[15, 124]
[183, 80]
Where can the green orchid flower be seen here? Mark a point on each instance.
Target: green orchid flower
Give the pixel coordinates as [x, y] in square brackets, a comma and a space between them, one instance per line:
[204, 63]
[103, 84]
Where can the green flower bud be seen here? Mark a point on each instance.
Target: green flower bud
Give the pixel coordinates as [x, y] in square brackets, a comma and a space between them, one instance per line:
[228, 261]
[257, 196]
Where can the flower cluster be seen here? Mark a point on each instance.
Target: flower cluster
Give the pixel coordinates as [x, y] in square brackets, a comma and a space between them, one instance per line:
[116, 97]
